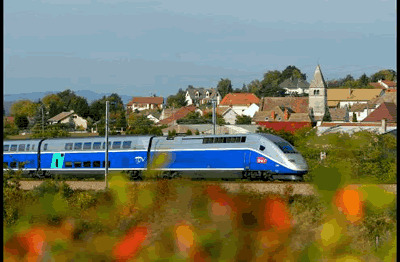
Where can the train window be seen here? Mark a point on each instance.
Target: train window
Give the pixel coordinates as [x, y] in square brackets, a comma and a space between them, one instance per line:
[21, 147]
[86, 164]
[13, 148]
[77, 164]
[45, 147]
[87, 146]
[21, 164]
[68, 164]
[33, 147]
[5, 164]
[220, 139]
[116, 145]
[96, 163]
[237, 139]
[96, 145]
[109, 145]
[127, 144]
[5, 147]
[27, 147]
[104, 163]
[243, 139]
[68, 146]
[286, 147]
[207, 140]
[77, 146]
[13, 164]
[262, 148]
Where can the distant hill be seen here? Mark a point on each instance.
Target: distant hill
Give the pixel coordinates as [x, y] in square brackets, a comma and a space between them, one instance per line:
[90, 96]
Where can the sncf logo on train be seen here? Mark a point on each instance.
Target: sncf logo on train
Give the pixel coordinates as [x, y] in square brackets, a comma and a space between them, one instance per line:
[261, 160]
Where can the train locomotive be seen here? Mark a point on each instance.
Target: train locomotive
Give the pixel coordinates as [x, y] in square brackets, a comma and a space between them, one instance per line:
[248, 156]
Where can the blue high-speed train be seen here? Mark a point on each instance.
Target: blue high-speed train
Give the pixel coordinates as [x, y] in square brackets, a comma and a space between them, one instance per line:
[253, 156]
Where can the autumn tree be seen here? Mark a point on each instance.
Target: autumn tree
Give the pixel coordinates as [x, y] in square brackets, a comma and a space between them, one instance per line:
[24, 108]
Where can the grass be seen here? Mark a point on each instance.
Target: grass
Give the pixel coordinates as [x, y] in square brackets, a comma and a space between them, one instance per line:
[183, 219]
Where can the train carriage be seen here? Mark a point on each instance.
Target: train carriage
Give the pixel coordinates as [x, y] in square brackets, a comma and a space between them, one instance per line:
[231, 156]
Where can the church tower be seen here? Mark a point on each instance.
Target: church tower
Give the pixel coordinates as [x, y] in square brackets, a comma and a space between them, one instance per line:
[318, 94]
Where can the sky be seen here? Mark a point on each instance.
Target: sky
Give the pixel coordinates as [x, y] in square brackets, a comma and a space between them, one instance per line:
[142, 47]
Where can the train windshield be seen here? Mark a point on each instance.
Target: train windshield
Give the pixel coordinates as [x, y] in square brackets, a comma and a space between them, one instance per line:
[285, 147]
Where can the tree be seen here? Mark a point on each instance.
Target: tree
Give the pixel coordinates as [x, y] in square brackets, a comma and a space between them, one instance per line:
[178, 100]
[192, 118]
[80, 106]
[243, 120]
[272, 91]
[348, 78]
[363, 80]
[294, 72]
[254, 86]
[55, 109]
[197, 132]
[354, 117]
[21, 122]
[386, 74]
[141, 125]
[24, 108]
[327, 116]
[189, 132]
[224, 87]
[220, 119]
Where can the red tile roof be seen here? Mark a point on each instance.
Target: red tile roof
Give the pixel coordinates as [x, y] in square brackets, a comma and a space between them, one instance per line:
[297, 104]
[239, 99]
[9, 118]
[146, 100]
[390, 83]
[182, 112]
[376, 85]
[385, 110]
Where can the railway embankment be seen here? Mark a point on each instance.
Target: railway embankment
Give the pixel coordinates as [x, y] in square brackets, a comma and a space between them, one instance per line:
[262, 187]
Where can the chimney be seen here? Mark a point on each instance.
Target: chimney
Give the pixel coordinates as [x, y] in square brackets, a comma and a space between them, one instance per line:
[383, 125]
[286, 114]
[273, 115]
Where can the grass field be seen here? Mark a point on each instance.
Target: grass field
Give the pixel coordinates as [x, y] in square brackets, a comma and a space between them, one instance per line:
[175, 220]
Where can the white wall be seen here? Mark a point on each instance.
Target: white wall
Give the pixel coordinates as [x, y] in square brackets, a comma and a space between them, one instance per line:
[251, 111]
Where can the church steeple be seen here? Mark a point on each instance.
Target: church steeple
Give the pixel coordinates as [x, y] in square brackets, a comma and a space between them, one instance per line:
[318, 93]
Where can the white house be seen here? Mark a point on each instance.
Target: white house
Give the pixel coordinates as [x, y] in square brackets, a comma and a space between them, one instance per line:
[239, 102]
[145, 103]
[251, 110]
[200, 96]
[66, 117]
[295, 85]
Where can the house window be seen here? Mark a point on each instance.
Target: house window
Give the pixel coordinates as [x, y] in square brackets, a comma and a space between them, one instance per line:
[316, 92]
[266, 118]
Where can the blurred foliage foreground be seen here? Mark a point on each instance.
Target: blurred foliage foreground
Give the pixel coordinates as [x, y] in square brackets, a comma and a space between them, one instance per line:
[182, 220]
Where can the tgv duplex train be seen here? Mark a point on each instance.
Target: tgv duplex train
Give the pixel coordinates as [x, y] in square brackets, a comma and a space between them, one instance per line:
[253, 156]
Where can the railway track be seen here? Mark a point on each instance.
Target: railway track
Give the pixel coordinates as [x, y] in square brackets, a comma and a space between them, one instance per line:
[273, 187]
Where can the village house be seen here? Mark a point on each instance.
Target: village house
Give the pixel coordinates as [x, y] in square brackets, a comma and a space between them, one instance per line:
[66, 117]
[145, 103]
[381, 127]
[200, 96]
[178, 114]
[341, 98]
[386, 111]
[239, 102]
[281, 117]
[295, 85]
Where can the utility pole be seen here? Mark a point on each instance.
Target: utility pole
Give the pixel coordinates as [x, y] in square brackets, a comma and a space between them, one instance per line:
[42, 121]
[214, 117]
[106, 162]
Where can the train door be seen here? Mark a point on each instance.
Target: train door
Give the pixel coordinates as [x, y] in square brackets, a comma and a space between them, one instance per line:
[247, 161]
